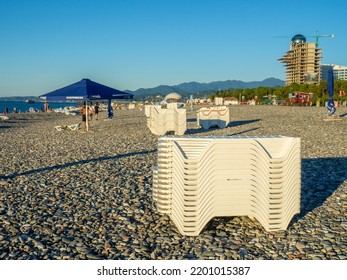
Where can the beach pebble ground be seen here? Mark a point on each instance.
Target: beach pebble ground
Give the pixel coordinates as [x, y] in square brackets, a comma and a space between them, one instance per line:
[88, 195]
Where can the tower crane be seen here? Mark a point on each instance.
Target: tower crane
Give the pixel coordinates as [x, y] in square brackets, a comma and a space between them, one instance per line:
[317, 36]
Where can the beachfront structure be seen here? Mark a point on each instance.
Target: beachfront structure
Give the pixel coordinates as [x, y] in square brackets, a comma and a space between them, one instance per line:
[218, 101]
[231, 101]
[302, 62]
[340, 72]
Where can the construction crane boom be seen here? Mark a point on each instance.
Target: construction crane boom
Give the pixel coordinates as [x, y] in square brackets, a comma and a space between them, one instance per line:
[317, 36]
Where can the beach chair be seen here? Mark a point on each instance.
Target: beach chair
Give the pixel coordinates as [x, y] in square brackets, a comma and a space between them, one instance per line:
[60, 127]
[74, 126]
[65, 127]
[70, 113]
[4, 118]
[198, 178]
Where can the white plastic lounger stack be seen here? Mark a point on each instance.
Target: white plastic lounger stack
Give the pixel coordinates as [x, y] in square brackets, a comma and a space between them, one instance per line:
[198, 178]
[160, 121]
[148, 109]
[213, 116]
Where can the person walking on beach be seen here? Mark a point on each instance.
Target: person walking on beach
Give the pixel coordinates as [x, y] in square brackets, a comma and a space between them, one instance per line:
[110, 109]
[91, 111]
[96, 110]
[6, 110]
[45, 107]
[83, 112]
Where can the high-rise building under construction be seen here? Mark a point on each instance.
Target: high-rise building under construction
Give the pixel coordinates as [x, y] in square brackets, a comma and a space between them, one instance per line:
[302, 62]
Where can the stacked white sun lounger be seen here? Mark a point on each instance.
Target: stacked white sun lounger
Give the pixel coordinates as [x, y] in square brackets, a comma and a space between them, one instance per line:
[198, 178]
[213, 116]
[160, 120]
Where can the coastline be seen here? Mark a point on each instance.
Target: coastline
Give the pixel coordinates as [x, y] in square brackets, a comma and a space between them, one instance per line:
[24, 107]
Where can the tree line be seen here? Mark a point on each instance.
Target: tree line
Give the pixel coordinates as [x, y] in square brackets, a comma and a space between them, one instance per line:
[320, 92]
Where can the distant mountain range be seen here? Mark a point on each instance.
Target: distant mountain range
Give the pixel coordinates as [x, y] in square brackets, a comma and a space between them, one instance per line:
[186, 89]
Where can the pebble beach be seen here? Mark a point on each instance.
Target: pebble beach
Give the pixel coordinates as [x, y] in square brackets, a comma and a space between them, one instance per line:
[77, 195]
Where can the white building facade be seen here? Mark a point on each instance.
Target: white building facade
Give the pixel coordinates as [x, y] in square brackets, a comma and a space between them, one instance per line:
[340, 72]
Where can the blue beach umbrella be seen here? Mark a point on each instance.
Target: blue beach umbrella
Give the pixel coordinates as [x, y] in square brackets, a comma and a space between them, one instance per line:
[330, 87]
[85, 90]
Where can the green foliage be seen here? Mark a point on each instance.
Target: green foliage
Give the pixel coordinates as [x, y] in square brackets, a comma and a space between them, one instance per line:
[319, 91]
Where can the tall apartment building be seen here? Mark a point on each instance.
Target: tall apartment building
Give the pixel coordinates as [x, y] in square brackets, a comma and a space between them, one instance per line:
[340, 72]
[302, 62]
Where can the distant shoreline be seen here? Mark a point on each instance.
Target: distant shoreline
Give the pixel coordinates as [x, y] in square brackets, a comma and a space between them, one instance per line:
[23, 107]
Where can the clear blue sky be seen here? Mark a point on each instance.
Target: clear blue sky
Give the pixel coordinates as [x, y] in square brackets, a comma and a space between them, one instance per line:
[131, 44]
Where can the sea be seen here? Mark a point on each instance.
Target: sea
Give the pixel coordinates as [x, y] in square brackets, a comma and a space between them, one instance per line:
[23, 107]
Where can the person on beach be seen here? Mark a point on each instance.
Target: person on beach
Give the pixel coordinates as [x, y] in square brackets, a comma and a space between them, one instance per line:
[110, 109]
[91, 111]
[83, 112]
[96, 110]
[6, 110]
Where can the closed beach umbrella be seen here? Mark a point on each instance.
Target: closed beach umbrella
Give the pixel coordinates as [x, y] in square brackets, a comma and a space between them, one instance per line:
[330, 87]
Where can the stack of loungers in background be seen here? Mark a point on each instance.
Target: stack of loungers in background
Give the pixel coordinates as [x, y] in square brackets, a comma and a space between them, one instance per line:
[213, 116]
[198, 178]
[160, 121]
